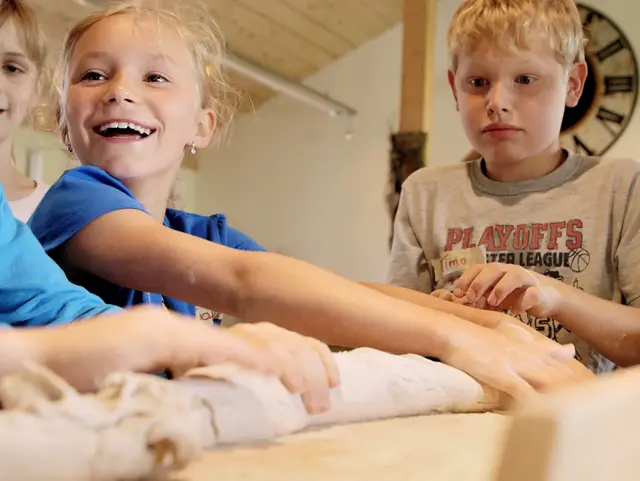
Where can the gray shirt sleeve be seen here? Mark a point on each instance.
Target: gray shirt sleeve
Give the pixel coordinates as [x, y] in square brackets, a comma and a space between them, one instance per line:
[408, 265]
[627, 253]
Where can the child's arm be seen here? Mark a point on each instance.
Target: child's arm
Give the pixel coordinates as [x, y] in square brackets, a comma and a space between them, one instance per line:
[504, 323]
[33, 289]
[257, 286]
[150, 340]
[612, 329]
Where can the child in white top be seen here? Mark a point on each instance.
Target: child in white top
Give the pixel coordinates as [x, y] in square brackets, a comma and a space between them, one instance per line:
[23, 54]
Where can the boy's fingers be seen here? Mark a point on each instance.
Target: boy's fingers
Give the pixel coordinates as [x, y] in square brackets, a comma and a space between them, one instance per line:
[464, 281]
[483, 283]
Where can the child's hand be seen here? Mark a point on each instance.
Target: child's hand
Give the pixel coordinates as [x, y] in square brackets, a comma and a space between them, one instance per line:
[449, 296]
[506, 286]
[146, 339]
[142, 339]
[444, 295]
[518, 365]
[306, 365]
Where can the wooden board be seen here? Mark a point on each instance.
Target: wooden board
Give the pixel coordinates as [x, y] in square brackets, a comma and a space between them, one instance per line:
[588, 432]
[463, 447]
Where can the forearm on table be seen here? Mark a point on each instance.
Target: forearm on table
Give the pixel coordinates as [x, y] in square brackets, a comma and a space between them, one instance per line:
[612, 329]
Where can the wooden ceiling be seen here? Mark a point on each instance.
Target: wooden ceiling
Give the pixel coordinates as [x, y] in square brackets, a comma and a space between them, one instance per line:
[294, 38]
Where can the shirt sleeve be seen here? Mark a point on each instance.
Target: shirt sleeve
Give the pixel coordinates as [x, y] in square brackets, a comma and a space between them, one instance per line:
[627, 253]
[33, 289]
[241, 241]
[79, 197]
[408, 266]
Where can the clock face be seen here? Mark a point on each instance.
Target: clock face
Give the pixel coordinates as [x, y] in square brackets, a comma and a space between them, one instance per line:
[610, 90]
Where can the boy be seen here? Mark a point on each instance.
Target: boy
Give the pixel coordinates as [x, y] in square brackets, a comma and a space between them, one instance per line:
[527, 205]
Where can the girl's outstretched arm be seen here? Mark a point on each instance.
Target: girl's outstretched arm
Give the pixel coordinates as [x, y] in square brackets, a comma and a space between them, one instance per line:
[129, 248]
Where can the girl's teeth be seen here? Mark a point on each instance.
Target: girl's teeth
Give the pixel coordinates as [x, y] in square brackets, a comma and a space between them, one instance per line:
[125, 125]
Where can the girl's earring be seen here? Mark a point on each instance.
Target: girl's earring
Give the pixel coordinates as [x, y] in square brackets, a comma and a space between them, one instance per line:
[193, 148]
[69, 148]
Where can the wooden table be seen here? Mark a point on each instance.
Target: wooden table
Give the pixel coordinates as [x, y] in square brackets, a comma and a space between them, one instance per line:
[449, 447]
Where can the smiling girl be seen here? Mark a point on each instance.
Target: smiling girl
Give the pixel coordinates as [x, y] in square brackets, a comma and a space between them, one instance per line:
[139, 87]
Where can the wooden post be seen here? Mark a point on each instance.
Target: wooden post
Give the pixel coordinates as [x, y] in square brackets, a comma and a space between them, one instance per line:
[417, 65]
[408, 145]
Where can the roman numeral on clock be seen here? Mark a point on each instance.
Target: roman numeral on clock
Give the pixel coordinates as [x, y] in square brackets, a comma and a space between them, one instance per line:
[608, 118]
[590, 17]
[581, 147]
[614, 84]
[610, 49]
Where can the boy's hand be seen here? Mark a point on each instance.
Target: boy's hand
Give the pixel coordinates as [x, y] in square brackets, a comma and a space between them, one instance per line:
[306, 365]
[445, 295]
[508, 287]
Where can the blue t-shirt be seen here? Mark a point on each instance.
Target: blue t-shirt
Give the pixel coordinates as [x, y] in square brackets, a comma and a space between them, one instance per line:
[33, 289]
[83, 194]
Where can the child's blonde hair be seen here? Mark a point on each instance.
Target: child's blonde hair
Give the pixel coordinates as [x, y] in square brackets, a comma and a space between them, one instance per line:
[29, 33]
[515, 24]
[199, 31]
[32, 40]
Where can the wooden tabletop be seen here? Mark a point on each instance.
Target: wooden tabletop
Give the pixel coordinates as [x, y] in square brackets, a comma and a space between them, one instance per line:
[448, 447]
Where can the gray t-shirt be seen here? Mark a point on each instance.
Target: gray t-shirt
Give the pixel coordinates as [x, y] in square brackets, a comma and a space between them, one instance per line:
[577, 224]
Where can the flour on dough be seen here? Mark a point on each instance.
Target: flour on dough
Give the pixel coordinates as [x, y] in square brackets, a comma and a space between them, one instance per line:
[135, 427]
[374, 385]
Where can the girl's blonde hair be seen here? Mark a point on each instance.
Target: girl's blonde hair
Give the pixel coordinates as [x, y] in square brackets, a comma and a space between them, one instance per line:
[33, 42]
[515, 24]
[194, 24]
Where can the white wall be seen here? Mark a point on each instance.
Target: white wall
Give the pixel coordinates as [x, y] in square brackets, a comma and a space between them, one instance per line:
[289, 179]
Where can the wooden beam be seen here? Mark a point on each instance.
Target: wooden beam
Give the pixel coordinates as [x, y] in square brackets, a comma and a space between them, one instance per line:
[408, 146]
[417, 65]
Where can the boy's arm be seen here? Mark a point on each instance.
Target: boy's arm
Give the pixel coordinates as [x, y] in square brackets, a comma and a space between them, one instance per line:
[33, 289]
[408, 266]
[613, 329]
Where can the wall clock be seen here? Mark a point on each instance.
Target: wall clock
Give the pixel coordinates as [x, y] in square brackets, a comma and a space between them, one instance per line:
[610, 91]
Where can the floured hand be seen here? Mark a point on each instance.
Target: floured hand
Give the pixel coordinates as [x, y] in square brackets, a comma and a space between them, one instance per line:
[507, 358]
[306, 365]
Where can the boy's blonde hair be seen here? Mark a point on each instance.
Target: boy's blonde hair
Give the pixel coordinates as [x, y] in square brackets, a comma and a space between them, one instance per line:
[515, 24]
[199, 31]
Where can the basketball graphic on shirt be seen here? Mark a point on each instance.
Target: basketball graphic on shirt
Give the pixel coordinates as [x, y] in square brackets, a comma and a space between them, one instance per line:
[579, 259]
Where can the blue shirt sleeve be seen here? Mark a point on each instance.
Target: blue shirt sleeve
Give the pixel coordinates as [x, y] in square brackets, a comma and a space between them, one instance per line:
[80, 196]
[214, 228]
[33, 289]
[241, 241]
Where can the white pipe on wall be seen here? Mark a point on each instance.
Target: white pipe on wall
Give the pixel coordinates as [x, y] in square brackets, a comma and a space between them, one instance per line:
[35, 165]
